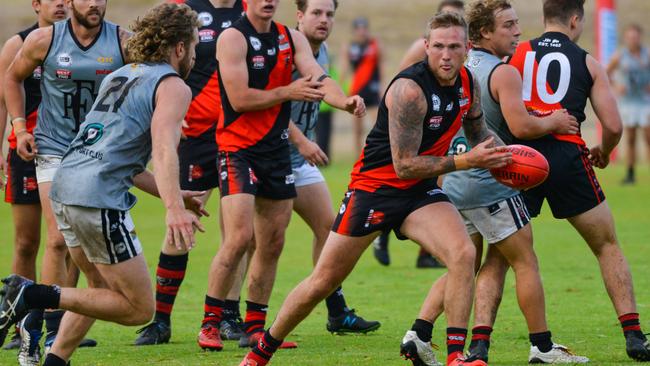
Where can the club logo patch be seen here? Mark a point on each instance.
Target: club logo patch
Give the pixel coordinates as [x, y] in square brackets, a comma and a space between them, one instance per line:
[255, 43]
[64, 59]
[436, 102]
[205, 18]
[92, 133]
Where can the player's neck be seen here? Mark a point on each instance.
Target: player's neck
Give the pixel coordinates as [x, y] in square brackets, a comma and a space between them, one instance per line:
[84, 35]
[489, 48]
[558, 28]
[634, 50]
[44, 23]
[260, 25]
[223, 3]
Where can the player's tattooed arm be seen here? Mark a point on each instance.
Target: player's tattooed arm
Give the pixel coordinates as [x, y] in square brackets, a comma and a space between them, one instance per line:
[476, 129]
[407, 108]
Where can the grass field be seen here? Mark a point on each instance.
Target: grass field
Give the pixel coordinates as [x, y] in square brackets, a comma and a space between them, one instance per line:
[579, 312]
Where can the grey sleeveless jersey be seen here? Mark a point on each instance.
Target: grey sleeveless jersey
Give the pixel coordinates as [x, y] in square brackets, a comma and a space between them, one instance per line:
[71, 77]
[476, 187]
[114, 143]
[635, 75]
[305, 114]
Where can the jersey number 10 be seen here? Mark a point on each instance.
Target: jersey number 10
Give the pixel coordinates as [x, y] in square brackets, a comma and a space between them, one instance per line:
[541, 77]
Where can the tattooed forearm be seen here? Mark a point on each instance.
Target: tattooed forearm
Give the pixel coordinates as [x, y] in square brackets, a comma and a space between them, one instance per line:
[476, 129]
[406, 111]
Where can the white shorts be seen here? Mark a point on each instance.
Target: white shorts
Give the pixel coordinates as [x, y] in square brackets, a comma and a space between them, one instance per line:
[46, 167]
[634, 115]
[307, 174]
[106, 236]
[498, 221]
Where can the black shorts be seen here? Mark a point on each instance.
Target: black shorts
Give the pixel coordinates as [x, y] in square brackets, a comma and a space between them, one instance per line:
[197, 158]
[21, 187]
[363, 213]
[268, 176]
[571, 187]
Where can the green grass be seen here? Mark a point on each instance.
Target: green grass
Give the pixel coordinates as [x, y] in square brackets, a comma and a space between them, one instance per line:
[579, 312]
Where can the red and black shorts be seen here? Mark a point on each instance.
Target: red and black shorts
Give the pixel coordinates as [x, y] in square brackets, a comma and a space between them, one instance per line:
[363, 213]
[21, 187]
[267, 176]
[197, 158]
[571, 187]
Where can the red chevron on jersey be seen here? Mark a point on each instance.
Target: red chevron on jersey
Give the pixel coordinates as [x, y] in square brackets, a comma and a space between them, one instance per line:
[366, 67]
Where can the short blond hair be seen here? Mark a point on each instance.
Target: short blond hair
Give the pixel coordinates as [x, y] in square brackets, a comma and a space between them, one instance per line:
[445, 19]
[160, 30]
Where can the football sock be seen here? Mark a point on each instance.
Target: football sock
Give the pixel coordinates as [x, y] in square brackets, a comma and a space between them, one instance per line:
[169, 276]
[213, 310]
[54, 360]
[631, 325]
[423, 252]
[34, 320]
[231, 310]
[455, 343]
[255, 317]
[42, 296]
[542, 341]
[423, 329]
[264, 349]
[481, 333]
[336, 303]
[52, 321]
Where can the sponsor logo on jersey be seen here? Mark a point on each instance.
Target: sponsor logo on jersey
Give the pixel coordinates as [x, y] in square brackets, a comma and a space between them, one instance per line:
[29, 184]
[474, 62]
[195, 172]
[290, 179]
[271, 51]
[255, 43]
[226, 24]
[463, 102]
[283, 46]
[206, 35]
[450, 106]
[258, 62]
[436, 102]
[252, 178]
[205, 18]
[285, 134]
[342, 209]
[120, 248]
[435, 122]
[435, 191]
[64, 59]
[374, 218]
[63, 74]
[38, 73]
[103, 72]
[105, 60]
[224, 175]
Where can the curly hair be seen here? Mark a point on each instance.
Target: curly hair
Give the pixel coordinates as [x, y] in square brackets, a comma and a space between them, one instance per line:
[481, 16]
[161, 29]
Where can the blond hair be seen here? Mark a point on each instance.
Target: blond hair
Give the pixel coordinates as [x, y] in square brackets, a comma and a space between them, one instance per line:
[445, 20]
[160, 30]
[481, 16]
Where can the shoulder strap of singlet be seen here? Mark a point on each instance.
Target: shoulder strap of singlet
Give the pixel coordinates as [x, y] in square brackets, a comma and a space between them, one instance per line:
[24, 33]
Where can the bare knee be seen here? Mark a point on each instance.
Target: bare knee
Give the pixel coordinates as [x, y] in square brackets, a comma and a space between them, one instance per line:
[463, 256]
[138, 316]
[26, 247]
[272, 247]
[321, 287]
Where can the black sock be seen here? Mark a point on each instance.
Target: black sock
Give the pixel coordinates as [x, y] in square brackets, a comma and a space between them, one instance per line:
[424, 329]
[335, 302]
[542, 341]
[54, 360]
[53, 321]
[481, 333]
[169, 276]
[34, 320]
[456, 338]
[42, 296]
[266, 347]
[630, 172]
[231, 310]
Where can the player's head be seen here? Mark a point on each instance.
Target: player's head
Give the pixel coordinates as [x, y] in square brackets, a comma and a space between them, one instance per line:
[632, 36]
[88, 13]
[457, 6]
[316, 18]
[360, 29]
[263, 9]
[569, 14]
[493, 24]
[446, 45]
[167, 33]
[50, 11]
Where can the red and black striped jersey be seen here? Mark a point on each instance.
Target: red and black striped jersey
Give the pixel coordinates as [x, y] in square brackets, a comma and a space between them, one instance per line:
[32, 86]
[447, 107]
[269, 60]
[203, 113]
[555, 76]
[364, 59]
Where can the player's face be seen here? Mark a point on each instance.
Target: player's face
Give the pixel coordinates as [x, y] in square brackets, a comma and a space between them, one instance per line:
[89, 13]
[360, 33]
[187, 63]
[264, 9]
[317, 20]
[632, 39]
[446, 51]
[50, 11]
[505, 38]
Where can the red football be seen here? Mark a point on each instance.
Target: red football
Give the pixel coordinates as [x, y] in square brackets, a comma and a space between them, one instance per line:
[528, 169]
